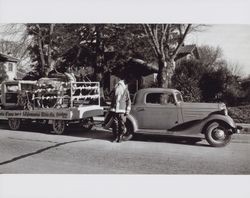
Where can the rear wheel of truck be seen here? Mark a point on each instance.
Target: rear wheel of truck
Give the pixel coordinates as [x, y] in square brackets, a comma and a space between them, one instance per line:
[59, 126]
[14, 123]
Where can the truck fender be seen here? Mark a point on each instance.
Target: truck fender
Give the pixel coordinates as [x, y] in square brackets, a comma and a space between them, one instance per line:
[219, 118]
[133, 121]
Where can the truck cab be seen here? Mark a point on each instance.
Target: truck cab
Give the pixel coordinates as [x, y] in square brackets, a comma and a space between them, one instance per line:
[10, 91]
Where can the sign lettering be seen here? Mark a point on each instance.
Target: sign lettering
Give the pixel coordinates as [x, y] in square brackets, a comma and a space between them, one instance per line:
[35, 114]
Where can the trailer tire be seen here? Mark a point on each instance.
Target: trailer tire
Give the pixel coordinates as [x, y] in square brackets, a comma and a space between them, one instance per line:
[59, 126]
[87, 124]
[14, 123]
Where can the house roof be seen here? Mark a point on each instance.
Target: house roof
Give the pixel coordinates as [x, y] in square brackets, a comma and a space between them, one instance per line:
[137, 67]
[141, 67]
[7, 58]
[187, 49]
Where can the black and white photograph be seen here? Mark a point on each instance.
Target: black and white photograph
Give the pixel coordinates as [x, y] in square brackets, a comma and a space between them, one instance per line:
[110, 99]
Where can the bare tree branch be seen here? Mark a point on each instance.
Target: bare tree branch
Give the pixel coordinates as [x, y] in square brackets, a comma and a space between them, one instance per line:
[50, 44]
[182, 40]
[40, 45]
[151, 40]
[163, 38]
[150, 33]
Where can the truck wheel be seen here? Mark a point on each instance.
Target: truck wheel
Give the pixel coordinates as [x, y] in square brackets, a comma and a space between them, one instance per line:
[217, 134]
[87, 124]
[14, 123]
[59, 126]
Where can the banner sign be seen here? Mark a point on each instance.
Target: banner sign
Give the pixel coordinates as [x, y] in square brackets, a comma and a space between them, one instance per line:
[54, 114]
[37, 114]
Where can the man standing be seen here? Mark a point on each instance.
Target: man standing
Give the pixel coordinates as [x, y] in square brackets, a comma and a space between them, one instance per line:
[120, 108]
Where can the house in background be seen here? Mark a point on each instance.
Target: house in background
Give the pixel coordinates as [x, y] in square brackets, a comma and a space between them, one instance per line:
[187, 52]
[8, 64]
[145, 74]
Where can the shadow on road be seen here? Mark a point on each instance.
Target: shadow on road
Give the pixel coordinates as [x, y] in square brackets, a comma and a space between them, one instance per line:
[40, 151]
[194, 141]
[102, 134]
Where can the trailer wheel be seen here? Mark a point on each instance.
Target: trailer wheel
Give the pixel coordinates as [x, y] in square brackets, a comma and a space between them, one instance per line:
[14, 123]
[59, 126]
[87, 124]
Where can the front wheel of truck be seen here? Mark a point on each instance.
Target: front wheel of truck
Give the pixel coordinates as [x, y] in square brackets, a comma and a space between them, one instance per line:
[217, 134]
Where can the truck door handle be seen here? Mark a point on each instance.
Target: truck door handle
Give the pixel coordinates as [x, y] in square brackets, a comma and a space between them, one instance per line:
[140, 109]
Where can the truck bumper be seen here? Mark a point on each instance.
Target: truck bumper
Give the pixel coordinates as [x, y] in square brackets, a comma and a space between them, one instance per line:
[237, 129]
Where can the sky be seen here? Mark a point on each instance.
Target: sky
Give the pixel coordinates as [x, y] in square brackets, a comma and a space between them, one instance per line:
[234, 41]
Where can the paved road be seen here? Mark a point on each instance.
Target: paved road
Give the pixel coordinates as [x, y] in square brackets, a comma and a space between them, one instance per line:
[36, 151]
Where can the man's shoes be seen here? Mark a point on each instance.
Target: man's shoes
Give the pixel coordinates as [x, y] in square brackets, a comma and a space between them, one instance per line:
[118, 140]
[127, 138]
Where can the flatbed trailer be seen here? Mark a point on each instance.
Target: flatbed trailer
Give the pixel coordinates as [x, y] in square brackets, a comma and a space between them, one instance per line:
[82, 104]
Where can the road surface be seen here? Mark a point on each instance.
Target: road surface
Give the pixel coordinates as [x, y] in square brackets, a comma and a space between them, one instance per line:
[34, 150]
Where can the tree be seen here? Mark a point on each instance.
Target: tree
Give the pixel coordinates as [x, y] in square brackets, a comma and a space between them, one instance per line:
[245, 84]
[80, 45]
[212, 85]
[52, 44]
[220, 85]
[235, 69]
[41, 49]
[211, 57]
[166, 41]
[188, 74]
[15, 41]
[208, 79]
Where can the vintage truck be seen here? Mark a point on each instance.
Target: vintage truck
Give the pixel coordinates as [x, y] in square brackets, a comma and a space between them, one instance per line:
[50, 101]
[163, 111]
